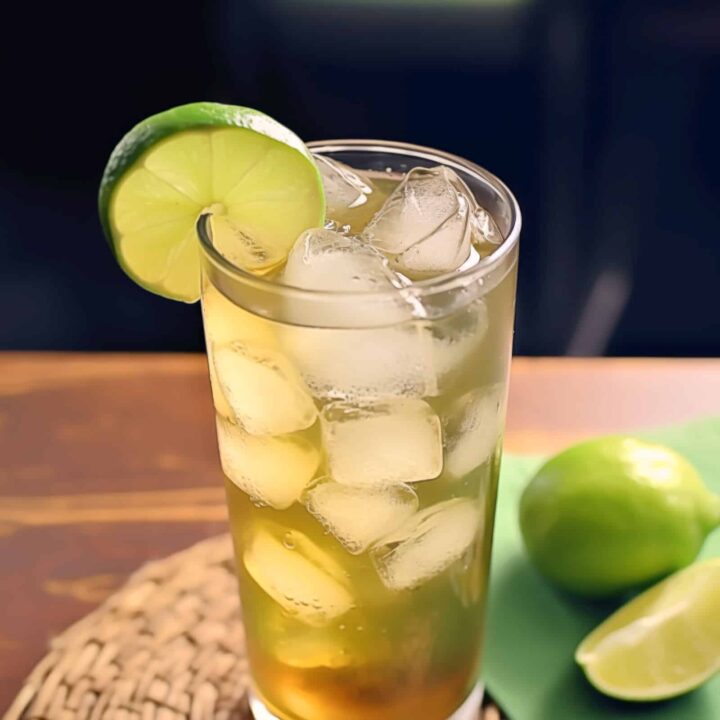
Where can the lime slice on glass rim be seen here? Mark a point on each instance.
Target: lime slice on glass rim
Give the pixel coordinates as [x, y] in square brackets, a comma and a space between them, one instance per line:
[663, 643]
[255, 176]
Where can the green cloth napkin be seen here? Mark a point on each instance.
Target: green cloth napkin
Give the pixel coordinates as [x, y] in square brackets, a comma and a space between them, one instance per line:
[533, 630]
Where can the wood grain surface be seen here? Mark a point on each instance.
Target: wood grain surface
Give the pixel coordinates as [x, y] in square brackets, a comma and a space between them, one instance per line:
[107, 461]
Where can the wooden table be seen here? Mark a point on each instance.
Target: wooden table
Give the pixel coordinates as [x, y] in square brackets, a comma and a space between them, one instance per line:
[107, 461]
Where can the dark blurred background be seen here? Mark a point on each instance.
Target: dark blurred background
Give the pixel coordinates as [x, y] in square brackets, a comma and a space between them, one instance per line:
[603, 117]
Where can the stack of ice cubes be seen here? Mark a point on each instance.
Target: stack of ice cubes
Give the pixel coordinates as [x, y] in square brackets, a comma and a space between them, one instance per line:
[367, 379]
[384, 345]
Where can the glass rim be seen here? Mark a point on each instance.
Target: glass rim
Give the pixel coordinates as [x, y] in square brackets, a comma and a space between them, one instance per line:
[427, 286]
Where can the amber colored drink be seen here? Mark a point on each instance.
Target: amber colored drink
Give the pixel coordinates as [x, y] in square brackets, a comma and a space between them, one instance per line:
[360, 434]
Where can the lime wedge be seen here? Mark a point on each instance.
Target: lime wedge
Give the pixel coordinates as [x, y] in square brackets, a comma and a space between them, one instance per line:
[232, 161]
[663, 643]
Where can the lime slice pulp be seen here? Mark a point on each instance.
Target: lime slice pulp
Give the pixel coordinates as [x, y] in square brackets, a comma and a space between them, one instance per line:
[663, 643]
[206, 157]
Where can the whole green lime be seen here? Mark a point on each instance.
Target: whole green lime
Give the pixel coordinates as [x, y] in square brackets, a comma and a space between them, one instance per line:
[615, 513]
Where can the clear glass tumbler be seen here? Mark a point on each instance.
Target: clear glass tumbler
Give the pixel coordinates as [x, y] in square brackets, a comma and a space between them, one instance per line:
[361, 447]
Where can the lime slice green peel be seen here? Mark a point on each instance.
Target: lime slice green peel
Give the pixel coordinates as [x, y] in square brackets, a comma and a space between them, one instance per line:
[174, 165]
[192, 116]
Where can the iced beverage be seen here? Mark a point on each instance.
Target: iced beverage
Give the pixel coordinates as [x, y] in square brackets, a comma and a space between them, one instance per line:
[359, 385]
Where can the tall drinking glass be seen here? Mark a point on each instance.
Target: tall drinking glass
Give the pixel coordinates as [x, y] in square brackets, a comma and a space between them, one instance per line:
[360, 435]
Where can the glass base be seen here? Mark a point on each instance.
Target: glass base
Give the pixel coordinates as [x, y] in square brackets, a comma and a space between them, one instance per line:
[467, 711]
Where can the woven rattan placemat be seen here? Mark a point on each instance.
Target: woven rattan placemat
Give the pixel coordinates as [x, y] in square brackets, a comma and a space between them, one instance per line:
[169, 645]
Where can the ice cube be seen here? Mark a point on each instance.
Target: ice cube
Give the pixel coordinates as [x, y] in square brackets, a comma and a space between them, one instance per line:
[324, 259]
[273, 471]
[311, 651]
[265, 392]
[451, 342]
[345, 188]
[472, 429]
[226, 322]
[374, 444]
[351, 196]
[427, 544]
[330, 647]
[485, 229]
[366, 348]
[424, 226]
[242, 250]
[358, 516]
[468, 577]
[295, 644]
[301, 577]
[362, 363]
[220, 403]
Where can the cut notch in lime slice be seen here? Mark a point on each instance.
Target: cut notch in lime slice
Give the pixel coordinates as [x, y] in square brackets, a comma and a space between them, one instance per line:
[663, 643]
[173, 166]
